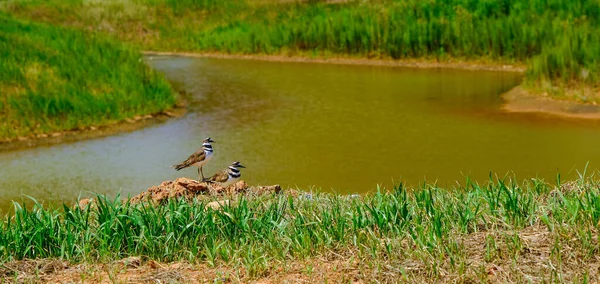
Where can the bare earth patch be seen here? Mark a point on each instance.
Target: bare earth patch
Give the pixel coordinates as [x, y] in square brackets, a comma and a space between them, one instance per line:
[190, 189]
[520, 100]
[413, 63]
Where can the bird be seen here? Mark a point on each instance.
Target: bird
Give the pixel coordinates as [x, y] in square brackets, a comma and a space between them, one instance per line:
[228, 176]
[199, 158]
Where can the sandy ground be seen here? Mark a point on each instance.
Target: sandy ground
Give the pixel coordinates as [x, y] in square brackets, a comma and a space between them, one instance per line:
[519, 100]
[416, 63]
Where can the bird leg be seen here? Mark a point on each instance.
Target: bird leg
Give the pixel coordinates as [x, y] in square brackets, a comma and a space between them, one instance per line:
[202, 173]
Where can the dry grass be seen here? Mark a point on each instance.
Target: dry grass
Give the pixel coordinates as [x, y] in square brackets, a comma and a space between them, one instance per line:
[544, 256]
[539, 260]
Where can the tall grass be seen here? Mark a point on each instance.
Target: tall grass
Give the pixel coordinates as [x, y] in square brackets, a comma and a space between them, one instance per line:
[57, 79]
[558, 40]
[442, 229]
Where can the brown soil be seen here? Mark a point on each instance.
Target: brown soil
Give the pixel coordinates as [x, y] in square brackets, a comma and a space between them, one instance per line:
[538, 261]
[127, 125]
[136, 270]
[189, 189]
[413, 63]
[520, 100]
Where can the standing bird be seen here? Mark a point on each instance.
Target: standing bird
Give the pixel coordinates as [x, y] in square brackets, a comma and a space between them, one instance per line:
[228, 176]
[199, 158]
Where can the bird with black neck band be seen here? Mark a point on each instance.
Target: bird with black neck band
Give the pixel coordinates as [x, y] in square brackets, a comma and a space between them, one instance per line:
[228, 176]
[198, 158]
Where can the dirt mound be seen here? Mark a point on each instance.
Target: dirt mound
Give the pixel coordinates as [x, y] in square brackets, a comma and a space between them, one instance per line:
[189, 189]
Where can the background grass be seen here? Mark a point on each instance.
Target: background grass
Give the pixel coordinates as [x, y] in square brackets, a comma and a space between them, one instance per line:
[558, 40]
[529, 231]
[56, 79]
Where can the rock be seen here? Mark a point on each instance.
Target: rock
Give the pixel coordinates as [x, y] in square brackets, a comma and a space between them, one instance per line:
[217, 204]
[56, 134]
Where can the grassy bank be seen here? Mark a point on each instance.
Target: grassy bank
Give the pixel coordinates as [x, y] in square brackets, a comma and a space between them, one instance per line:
[558, 40]
[501, 231]
[56, 79]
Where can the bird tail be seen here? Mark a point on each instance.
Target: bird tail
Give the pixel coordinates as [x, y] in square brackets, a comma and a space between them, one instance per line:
[178, 166]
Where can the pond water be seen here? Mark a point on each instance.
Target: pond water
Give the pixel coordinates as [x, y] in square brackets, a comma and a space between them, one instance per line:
[316, 127]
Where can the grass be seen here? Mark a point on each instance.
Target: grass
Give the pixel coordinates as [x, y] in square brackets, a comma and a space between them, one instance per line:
[57, 79]
[509, 231]
[558, 40]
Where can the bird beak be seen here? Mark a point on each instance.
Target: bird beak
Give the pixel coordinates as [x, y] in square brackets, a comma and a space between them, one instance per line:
[240, 166]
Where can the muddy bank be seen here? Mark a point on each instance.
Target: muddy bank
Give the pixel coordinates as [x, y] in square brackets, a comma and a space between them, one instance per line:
[520, 100]
[127, 125]
[413, 63]
[517, 100]
[189, 189]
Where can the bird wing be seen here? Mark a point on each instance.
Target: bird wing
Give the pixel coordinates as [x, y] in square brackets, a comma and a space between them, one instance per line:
[198, 156]
[220, 176]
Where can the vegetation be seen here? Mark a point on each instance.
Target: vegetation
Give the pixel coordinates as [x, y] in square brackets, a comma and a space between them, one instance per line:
[558, 40]
[530, 231]
[56, 79]
[77, 75]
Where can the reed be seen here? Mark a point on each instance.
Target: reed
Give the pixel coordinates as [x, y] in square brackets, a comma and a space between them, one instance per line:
[558, 40]
[56, 79]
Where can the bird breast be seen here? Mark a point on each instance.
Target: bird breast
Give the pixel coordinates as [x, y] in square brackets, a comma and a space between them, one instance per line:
[207, 157]
[229, 181]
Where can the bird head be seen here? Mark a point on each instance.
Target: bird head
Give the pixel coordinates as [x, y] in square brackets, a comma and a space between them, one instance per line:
[237, 165]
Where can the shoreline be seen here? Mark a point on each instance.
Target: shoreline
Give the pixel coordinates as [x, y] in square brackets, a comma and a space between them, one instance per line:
[411, 63]
[517, 100]
[90, 132]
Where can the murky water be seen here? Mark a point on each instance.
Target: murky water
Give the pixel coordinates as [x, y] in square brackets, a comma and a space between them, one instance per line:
[315, 126]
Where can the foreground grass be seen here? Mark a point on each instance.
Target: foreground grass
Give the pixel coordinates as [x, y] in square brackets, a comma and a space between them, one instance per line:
[558, 40]
[56, 79]
[529, 231]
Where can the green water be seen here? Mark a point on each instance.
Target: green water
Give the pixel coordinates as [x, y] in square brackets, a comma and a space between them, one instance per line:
[317, 127]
